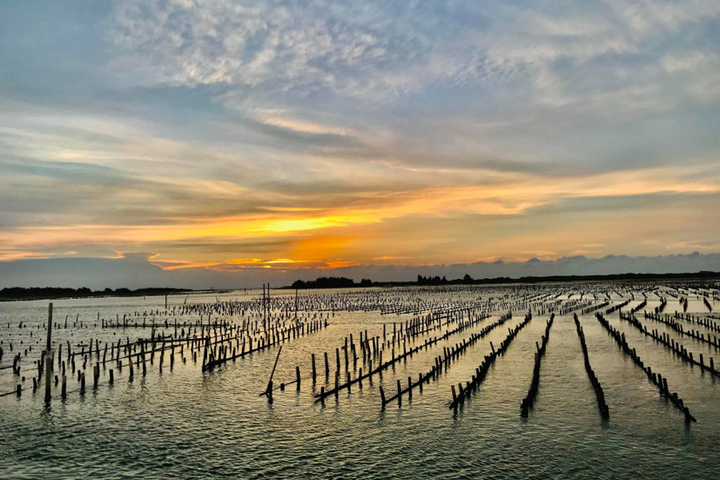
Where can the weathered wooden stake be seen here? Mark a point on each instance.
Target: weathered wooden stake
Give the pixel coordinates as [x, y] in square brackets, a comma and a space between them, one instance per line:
[313, 368]
[48, 356]
[327, 368]
[269, 388]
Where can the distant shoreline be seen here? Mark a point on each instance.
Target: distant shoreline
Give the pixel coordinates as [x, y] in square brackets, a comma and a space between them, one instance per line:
[20, 294]
[312, 285]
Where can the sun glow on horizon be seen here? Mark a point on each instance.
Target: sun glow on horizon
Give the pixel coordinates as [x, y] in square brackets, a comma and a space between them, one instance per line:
[320, 240]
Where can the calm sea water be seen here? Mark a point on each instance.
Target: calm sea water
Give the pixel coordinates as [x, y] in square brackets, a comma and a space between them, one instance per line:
[189, 424]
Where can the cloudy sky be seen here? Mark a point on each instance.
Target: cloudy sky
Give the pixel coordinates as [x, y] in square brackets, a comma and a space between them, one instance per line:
[238, 136]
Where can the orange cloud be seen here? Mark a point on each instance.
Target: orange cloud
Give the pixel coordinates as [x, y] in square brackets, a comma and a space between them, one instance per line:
[179, 264]
[320, 248]
[338, 264]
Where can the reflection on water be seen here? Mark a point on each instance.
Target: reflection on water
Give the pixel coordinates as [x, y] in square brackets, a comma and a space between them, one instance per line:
[186, 424]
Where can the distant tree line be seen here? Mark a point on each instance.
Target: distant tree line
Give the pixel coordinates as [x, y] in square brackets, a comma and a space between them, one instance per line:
[436, 280]
[331, 282]
[342, 282]
[37, 293]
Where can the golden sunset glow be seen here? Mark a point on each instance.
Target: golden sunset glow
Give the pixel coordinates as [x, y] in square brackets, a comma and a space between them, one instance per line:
[514, 196]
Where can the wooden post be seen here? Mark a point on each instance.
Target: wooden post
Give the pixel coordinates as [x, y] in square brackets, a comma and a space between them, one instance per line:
[313, 367]
[48, 356]
[327, 367]
[297, 375]
[269, 389]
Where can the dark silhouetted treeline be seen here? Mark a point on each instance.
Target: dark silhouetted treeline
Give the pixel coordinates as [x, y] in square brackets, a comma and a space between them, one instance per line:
[342, 282]
[331, 282]
[431, 280]
[40, 293]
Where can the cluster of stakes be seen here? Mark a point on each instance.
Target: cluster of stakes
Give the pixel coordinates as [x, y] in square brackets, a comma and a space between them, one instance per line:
[452, 318]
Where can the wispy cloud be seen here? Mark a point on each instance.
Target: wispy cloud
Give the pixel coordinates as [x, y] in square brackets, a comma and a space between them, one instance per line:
[266, 135]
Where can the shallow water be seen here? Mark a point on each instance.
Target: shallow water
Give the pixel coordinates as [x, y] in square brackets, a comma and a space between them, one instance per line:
[189, 424]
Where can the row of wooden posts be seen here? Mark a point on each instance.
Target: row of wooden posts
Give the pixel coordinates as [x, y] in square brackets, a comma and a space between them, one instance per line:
[441, 363]
[655, 378]
[371, 348]
[595, 307]
[678, 327]
[529, 400]
[668, 342]
[639, 307]
[705, 322]
[428, 343]
[219, 354]
[617, 307]
[480, 372]
[599, 394]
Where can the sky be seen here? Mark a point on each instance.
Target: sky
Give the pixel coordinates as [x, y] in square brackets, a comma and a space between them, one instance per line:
[197, 142]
